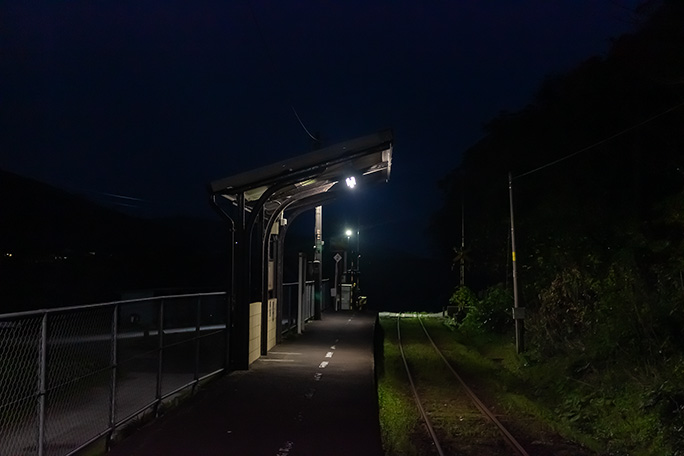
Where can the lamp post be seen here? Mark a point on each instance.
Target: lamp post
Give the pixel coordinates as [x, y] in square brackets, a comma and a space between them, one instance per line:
[318, 264]
[348, 232]
[358, 251]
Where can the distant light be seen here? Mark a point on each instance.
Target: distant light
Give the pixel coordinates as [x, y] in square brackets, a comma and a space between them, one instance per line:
[348, 233]
[351, 182]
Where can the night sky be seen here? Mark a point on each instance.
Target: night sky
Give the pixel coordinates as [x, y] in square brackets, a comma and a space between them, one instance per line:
[141, 104]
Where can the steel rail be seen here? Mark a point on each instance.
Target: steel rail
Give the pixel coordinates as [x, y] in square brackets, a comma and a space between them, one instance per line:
[510, 440]
[428, 424]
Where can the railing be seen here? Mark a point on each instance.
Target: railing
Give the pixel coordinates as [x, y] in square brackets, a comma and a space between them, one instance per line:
[290, 291]
[72, 376]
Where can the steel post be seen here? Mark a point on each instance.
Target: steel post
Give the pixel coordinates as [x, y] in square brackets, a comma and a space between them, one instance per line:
[318, 263]
[160, 356]
[301, 289]
[198, 323]
[337, 290]
[239, 334]
[42, 379]
[265, 249]
[112, 381]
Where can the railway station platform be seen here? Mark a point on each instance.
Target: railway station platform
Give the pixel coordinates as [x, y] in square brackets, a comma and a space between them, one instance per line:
[312, 395]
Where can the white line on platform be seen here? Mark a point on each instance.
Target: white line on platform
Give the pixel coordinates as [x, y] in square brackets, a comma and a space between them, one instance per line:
[329, 355]
[322, 365]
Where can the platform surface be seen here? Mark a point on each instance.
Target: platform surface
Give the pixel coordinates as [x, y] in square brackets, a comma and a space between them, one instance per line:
[310, 396]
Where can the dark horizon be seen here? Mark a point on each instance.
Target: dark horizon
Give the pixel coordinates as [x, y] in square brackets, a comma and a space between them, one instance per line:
[140, 106]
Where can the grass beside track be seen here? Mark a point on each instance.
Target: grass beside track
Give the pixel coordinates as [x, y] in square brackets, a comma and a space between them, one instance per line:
[461, 428]
[549, 406]
[399, 421]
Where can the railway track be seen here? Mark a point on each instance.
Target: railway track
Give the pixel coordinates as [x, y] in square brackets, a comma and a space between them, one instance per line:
[461, 394]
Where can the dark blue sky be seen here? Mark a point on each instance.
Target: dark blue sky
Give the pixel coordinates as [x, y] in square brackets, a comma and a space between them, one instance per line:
[152, 100]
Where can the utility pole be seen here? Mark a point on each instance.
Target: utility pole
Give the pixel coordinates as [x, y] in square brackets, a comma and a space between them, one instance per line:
[318, 263]
[518, 312]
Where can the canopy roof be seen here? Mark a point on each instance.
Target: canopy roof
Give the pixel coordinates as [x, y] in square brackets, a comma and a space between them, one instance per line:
[292, 181]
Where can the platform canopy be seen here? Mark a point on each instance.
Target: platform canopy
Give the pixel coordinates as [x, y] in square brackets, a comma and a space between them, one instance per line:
[295, 181]
[263, 195]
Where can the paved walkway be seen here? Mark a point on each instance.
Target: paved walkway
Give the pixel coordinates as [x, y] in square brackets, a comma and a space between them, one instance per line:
[311, 396]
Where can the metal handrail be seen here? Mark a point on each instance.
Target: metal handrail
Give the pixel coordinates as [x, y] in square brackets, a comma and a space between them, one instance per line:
[28, 313]
[59, 362]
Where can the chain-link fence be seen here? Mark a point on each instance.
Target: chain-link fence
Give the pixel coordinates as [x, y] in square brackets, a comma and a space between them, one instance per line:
[71, 376]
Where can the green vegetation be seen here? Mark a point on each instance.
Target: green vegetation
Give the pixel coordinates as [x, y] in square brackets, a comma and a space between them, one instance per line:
[461, 428]
[600, 249]
[398, 416]
[610, 399]
[613, 411]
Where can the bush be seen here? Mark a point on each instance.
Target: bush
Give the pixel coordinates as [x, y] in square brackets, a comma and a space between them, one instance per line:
[564, 312]
[490, 314]
[464, 299]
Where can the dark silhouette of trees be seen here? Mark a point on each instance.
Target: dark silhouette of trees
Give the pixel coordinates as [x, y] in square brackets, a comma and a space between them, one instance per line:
[605, 224]
[598, 157]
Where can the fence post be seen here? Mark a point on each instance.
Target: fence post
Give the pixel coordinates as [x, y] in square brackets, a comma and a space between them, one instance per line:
[301, 288]
[197, 339]
[42, 372]
[112, 384]
[290, 317]
[160, 358]
[312, 299]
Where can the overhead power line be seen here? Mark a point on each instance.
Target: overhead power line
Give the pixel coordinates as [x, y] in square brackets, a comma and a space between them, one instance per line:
[114, 195]
[605, 140]
[302, 124]
[276, 69]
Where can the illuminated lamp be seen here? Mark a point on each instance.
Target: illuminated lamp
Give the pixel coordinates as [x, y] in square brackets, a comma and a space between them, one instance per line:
[351, 182]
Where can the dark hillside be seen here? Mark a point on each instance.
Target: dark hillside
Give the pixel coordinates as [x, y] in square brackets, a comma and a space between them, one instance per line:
[61, 249]
[38, 218]
[598, 185]
[615, 124]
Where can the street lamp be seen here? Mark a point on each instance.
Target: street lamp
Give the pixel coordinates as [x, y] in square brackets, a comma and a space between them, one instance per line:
[349, 233]
[351, 181]
[358, 250]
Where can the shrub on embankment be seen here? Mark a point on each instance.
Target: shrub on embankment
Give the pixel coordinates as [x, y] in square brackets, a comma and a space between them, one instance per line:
[608, 381]
[598, 187]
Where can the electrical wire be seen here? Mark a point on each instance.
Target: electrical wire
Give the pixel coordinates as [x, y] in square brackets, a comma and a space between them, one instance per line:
[302, 124]
[114, 195]
[276, 69]
[605, 140]
[115, 199]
